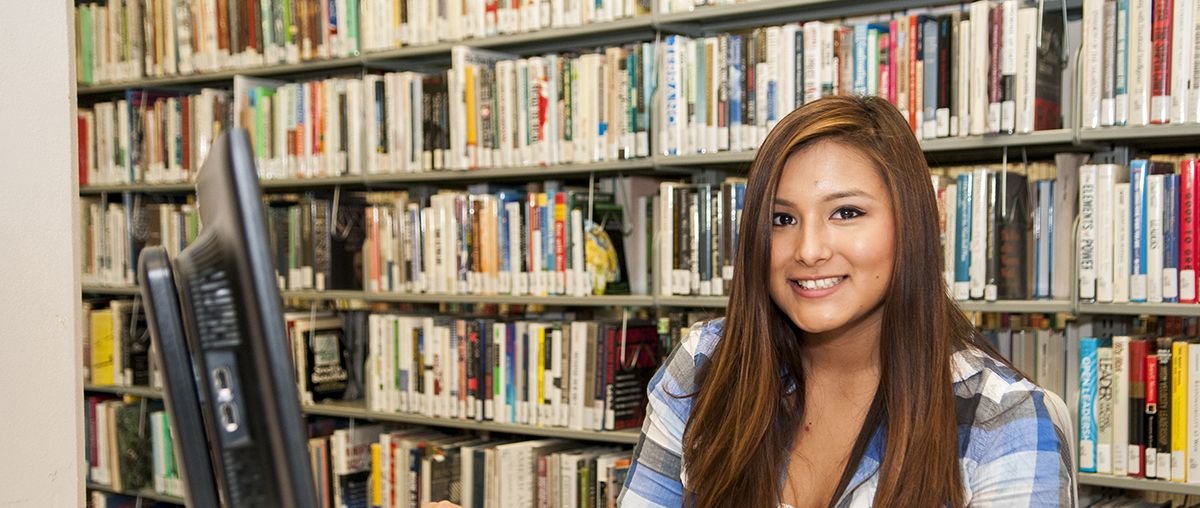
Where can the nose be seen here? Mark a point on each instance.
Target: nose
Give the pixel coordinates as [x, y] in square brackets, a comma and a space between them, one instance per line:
[813, 246]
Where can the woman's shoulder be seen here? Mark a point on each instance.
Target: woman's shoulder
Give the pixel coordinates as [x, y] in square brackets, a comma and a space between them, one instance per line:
[679, 371]
[989, 390]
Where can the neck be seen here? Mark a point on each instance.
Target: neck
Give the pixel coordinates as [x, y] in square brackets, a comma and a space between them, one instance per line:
[850, 353]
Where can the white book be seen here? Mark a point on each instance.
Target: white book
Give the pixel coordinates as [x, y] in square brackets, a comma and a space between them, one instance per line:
[1087, 232]
[979, 236]
[964, 70]
[1120, 406]
[1193, 417]
[1093, 62]
[1139, 61]
[980, 61]
[812, 60]
[1026, 73]
[1182, 54]
[1121, 247]
[1107, 177]
[948, 244]
[1108, 62]
[1193, 97]
[1154, 238]
[1104, 412]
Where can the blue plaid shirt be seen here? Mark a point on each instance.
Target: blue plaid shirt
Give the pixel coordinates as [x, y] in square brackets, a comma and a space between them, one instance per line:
[1014, 438]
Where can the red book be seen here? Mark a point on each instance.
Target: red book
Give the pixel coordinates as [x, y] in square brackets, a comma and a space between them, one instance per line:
[223, 25]
[994, 96]
[1137, 408]
[1150, 428]
[914, 88]
[1188, 211]
[185, 149]
[893, 46]
[1160, 62]
[252, 21]
[82, 138]
[560, 239]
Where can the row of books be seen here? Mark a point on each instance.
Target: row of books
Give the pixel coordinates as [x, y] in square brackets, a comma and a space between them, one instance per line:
[578, 375]
[113, 234]
[1034, 345]
[999, 225]
[379, 466]
[697, 227]
[128, 445]
[99, 499]
[1139, 61]
[149, 137]
[122, 40]
[1137, 232]
[1137, 415]
[488, 110]
[949, 72]
[116, 345]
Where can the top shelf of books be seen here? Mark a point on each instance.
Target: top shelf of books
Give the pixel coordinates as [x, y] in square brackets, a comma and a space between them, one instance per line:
[123, 44]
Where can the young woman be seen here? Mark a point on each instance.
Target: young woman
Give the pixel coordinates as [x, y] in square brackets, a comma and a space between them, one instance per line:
[842, 374]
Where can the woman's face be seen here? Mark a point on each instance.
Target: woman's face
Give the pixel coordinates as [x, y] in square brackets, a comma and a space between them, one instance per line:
[832, 239]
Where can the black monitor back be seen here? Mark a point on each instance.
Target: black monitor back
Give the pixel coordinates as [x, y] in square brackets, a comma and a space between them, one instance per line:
[233, 319]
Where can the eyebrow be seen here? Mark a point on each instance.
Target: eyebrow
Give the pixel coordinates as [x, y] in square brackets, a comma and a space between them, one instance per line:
[829, 197]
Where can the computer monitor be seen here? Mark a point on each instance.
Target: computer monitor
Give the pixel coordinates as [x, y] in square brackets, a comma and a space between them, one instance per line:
[233, 321]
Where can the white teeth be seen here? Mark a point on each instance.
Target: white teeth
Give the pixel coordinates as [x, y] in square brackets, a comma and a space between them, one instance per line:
[819, 283]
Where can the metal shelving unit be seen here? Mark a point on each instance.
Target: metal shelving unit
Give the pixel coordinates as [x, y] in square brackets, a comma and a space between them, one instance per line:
[140, 391]
[143, 493]
[1142, 132]
[96, 289]
[1136, 309]
[1118, 482]
[1034, 306]
[355, 410]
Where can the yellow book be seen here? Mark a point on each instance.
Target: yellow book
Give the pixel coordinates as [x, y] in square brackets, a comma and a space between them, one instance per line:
[469, 86]
[1179, 411]
[102, 347]
[376, 486]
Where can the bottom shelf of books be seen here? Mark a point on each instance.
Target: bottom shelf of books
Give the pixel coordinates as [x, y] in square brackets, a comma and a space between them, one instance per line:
[471, 405]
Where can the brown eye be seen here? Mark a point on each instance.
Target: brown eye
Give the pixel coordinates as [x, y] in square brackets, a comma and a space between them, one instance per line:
[782, 219]
[847, 213]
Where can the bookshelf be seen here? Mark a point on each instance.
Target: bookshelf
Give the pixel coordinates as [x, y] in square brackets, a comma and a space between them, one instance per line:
[1119, 482]
[701, 21]
[142, 493]
[355, 410]
[138, 391]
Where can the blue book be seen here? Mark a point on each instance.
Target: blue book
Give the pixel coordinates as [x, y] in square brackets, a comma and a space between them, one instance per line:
[510, 351]
[1138, 170]
[860, 59]
[548, 241]
[962, 240]
[735, 84]
[1088, 380]
[929, 92]
[1170, 221]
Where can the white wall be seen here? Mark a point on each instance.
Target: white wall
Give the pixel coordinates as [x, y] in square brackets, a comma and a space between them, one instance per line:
[40, 424]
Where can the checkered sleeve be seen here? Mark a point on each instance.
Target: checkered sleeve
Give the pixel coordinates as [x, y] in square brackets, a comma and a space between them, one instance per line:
[656, 474]
[1019, 452]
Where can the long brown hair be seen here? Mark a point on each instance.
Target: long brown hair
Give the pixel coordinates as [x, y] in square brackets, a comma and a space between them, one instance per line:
[740, 431]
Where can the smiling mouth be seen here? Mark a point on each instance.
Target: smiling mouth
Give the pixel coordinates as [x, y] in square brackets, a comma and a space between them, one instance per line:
[818, 284]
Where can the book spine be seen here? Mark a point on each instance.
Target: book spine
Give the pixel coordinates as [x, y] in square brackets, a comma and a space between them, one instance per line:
[1121, 65]
[1104, 410]
[962, 265]
[1163, 442]
[1106, 175]
[1189, 208]
[1160, 70]
[1136, 451]
[1120, 405]
[1171, 230]
[1192, 473]
[1108, 87]
[1154, 238]
[1179, 414]
[1150, 429]
[1088, 377]
[1137, 190]
[1121, 243]
[1093, 62]
[1087, 232]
